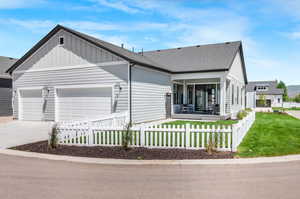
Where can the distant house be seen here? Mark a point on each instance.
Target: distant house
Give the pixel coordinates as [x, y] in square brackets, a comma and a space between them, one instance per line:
[5, 86]
[293, 90]
[266, 90]
[69, 75]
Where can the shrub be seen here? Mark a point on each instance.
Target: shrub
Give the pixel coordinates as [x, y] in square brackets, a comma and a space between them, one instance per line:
[211, 145]
[126, 139]
[53, 140]
[248, 109]
[242, 114]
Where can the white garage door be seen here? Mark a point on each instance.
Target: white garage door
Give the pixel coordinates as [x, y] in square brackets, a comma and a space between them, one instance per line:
[83, 103]
[31, 104]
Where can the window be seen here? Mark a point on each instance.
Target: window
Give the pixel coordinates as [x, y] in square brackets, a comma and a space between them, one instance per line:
[237, 95]
[232, 94]
[177, 94]
[242, 94]
[278, 100]
[190, 91]
[61, 40]
[261, 88]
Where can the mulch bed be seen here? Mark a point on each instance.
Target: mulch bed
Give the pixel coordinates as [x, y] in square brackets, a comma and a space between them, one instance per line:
[121, 153]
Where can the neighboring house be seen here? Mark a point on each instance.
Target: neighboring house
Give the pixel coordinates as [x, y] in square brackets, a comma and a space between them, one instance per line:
[293, 90]
[5, 86]
[264, 90]
[69, 75]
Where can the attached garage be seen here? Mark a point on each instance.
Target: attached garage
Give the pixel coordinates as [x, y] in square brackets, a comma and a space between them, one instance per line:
[82, 103]
[31, 104]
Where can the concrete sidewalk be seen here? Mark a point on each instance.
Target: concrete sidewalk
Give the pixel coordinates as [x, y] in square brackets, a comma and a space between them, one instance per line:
[295, 114]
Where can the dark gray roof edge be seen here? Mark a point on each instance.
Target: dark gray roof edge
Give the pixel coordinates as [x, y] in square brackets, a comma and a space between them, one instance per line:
[60, 27]
[82, 36]
[183, 47]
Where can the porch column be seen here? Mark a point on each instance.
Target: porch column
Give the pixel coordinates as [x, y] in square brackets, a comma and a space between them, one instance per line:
[222, 95]
[184, 92]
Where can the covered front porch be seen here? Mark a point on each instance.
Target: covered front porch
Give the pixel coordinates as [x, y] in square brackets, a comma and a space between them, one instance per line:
[199, 99]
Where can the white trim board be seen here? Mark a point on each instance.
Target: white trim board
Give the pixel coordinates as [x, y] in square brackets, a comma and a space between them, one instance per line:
[31, 88]
[114, 63]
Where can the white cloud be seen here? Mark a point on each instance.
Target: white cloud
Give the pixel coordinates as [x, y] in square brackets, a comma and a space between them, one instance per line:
[294, 35]
[119, 5]
[13, 4]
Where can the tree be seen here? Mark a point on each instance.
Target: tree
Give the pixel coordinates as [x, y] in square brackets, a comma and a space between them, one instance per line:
[297, 98]
[262, 102]
[282, 85]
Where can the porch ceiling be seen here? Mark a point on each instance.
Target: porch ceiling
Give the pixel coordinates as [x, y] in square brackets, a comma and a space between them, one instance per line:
[200, 81]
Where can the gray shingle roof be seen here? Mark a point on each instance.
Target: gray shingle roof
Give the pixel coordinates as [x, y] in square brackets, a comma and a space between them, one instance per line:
[5, 63]
[196, 58]
[213, 57]
[272, 87]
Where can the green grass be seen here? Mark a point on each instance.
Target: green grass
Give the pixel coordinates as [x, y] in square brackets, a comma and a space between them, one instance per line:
[219, 122]
[285, 109]
[272, 134]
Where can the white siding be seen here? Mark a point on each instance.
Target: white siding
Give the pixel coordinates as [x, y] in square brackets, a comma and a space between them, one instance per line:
[149, 88]
[251, 100]
[236, 69]
[75, 51]
[237, 79]
[276, 100]
[74, 63]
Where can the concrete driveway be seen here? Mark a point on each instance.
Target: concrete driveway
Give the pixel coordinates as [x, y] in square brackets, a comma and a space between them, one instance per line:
[15, 133]
[29, 178]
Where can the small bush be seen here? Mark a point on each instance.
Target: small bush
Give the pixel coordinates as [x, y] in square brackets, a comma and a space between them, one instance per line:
[210, 147]
[127, 137]
[53, 140]
[242, 114]
[248, 110]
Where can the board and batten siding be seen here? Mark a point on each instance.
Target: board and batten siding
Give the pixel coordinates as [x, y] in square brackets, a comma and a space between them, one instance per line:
[149, 88]
[77, 62]
[75, 51]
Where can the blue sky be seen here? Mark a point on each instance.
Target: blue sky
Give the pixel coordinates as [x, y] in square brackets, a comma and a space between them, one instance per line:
[269, 29]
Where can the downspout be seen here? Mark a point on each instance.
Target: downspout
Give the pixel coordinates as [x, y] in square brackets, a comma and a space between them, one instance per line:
[130, 65]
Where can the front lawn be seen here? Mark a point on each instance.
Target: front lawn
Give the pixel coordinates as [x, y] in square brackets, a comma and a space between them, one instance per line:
[219, 122]
[285, 109]
[272, 134]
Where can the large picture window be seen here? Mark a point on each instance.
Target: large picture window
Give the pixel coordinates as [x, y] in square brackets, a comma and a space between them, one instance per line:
[178, 94]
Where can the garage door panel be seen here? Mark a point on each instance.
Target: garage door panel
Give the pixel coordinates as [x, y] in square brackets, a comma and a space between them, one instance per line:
[83, 103]
[31, 104]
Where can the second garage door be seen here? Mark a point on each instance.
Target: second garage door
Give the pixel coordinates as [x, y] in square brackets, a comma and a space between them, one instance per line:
[83, 103]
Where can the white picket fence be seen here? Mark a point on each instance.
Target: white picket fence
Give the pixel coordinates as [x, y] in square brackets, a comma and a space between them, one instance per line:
[224, 138]
[114, 119]
[291, 105]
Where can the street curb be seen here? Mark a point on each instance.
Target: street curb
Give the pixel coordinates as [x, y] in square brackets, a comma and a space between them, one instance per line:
[103, 161]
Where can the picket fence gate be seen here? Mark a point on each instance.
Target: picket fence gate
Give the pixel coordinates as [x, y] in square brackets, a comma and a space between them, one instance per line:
[222, 137]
